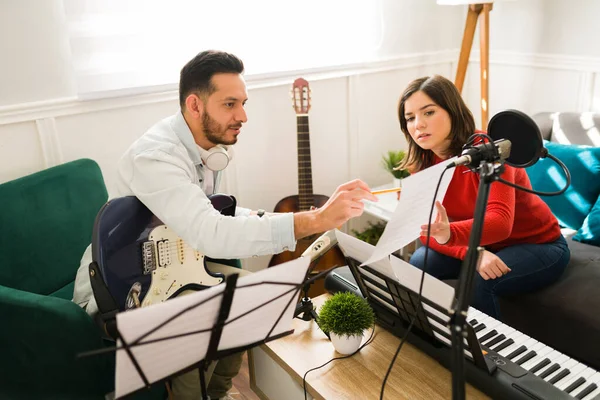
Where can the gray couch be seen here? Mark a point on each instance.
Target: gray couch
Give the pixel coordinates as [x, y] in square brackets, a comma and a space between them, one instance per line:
[565, 315]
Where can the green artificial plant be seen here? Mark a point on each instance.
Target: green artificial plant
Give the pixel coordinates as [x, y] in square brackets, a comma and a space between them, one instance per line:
[391, 160]
[345, 313]
[372, 233]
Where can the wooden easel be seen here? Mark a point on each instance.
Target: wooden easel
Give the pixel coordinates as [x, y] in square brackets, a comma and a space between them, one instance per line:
[481, 12]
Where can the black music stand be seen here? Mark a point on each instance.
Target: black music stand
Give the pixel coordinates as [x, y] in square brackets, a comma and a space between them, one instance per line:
[395, 306]
[135, 347]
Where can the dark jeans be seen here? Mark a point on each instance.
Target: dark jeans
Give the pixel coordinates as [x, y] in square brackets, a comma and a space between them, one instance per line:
[533, 266]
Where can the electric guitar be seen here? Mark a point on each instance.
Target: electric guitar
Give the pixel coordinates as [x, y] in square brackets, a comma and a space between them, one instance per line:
[141, 260]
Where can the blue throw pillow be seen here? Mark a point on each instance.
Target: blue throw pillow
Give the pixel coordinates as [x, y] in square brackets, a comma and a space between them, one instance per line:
[590, 231]
[572, 207]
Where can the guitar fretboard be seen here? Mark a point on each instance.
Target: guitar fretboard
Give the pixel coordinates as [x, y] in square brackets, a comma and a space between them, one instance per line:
[305, 188]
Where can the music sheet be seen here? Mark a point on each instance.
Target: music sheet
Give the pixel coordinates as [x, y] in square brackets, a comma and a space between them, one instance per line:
[412, 210]
[162, 358]
[399, 270]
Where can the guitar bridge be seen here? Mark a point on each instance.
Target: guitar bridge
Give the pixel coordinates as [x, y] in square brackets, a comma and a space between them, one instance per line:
[148, 257]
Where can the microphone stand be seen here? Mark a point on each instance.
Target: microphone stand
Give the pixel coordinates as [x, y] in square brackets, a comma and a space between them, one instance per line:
[488, 173]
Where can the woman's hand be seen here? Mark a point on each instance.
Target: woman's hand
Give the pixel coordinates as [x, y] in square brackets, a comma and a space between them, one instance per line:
[492, 266]
[440, 229]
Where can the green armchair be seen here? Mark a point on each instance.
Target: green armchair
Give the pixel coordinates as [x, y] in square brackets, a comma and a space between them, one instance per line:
[46, 222]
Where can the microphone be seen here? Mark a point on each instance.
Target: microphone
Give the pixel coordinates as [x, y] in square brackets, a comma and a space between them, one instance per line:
[497, 151]
[320, 246]
[523, 133]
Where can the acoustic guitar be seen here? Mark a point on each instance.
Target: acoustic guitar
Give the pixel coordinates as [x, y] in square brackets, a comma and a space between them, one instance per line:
[305, 199]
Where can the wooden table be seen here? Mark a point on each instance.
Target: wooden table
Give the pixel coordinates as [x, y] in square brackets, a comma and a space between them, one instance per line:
[277, 368]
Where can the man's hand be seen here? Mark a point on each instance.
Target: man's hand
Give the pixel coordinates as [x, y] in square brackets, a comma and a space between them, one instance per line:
[492, 266]
[440, 229]
[344, 203]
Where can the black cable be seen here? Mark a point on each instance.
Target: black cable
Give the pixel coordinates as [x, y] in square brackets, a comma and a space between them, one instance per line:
[369, 340]
[561, 191]
[419, 296]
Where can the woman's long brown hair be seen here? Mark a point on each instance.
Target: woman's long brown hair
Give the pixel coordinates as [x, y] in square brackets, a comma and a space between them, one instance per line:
[444, 94]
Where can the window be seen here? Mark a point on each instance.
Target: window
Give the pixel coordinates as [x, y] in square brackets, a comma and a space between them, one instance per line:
[133, 46]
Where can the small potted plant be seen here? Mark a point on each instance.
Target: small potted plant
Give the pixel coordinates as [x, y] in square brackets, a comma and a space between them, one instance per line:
[391, 161]
[345, 316]
[372, 233]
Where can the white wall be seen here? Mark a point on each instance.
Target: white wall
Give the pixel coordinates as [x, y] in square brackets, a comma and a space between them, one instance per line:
[568, 27]
[34, 50]
[544, 56]
[353, 116]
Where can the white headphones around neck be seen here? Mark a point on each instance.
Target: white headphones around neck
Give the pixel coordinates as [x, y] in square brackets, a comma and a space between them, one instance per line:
[217, 158]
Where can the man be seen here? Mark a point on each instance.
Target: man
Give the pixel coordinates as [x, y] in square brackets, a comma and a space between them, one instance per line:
[175, 165]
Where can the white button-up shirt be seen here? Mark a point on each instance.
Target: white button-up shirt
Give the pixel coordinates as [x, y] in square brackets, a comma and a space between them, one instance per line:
[164, 170]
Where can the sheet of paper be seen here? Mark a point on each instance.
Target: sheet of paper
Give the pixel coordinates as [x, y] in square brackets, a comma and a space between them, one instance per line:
[162, 358]
[413, 209]
[435, 290]
[359, 250]
[399, 270]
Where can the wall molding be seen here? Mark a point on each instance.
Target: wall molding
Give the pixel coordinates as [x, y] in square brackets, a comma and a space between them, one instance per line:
[48, 135]
[541, 60]
[73, 105]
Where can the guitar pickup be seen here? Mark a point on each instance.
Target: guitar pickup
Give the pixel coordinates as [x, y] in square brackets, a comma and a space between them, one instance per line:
[148, 257]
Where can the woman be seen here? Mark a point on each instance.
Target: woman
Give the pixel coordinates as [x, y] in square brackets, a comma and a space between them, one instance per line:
[524, 248]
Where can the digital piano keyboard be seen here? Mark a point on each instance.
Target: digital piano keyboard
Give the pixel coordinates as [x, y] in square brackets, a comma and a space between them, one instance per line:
[513, 366]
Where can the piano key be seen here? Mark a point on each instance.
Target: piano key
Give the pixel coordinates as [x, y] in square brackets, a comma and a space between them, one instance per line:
[494, 341]
[596, 379]
[585, 374]
[489, 335]
[594, 384]
[473, 322]
[565, 371]
[556, 358]
[490, 324]
[519, 339]
[479, 327]
[517, 352]
[503, 345]
[561, 374]
[592, 395]
[585, 391]
[575, 376]
[526, 357]
[542, 350]
[550, 370]
[577, 383]
[544, 363]
[505, 330]
[474, 313]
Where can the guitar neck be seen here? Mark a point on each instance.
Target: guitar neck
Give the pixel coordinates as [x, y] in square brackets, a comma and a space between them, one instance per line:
[305, 188]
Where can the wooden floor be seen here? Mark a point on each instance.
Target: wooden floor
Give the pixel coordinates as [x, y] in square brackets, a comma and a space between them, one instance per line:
[241, 383]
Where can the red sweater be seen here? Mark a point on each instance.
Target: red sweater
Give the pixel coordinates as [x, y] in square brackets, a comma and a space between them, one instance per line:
[512, 216]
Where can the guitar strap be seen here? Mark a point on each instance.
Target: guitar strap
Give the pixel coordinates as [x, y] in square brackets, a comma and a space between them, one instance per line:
[106, 303]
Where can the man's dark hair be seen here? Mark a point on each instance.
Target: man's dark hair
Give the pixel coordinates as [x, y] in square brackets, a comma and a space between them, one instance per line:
[197, 73]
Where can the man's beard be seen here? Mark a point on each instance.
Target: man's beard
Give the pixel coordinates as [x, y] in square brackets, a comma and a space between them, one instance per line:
[215, 132]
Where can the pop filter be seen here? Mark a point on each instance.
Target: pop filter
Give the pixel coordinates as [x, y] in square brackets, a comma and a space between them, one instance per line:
[524, 135]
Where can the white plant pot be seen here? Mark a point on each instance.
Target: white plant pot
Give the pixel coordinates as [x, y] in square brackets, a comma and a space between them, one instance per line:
[345, 344]
[397, 182]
